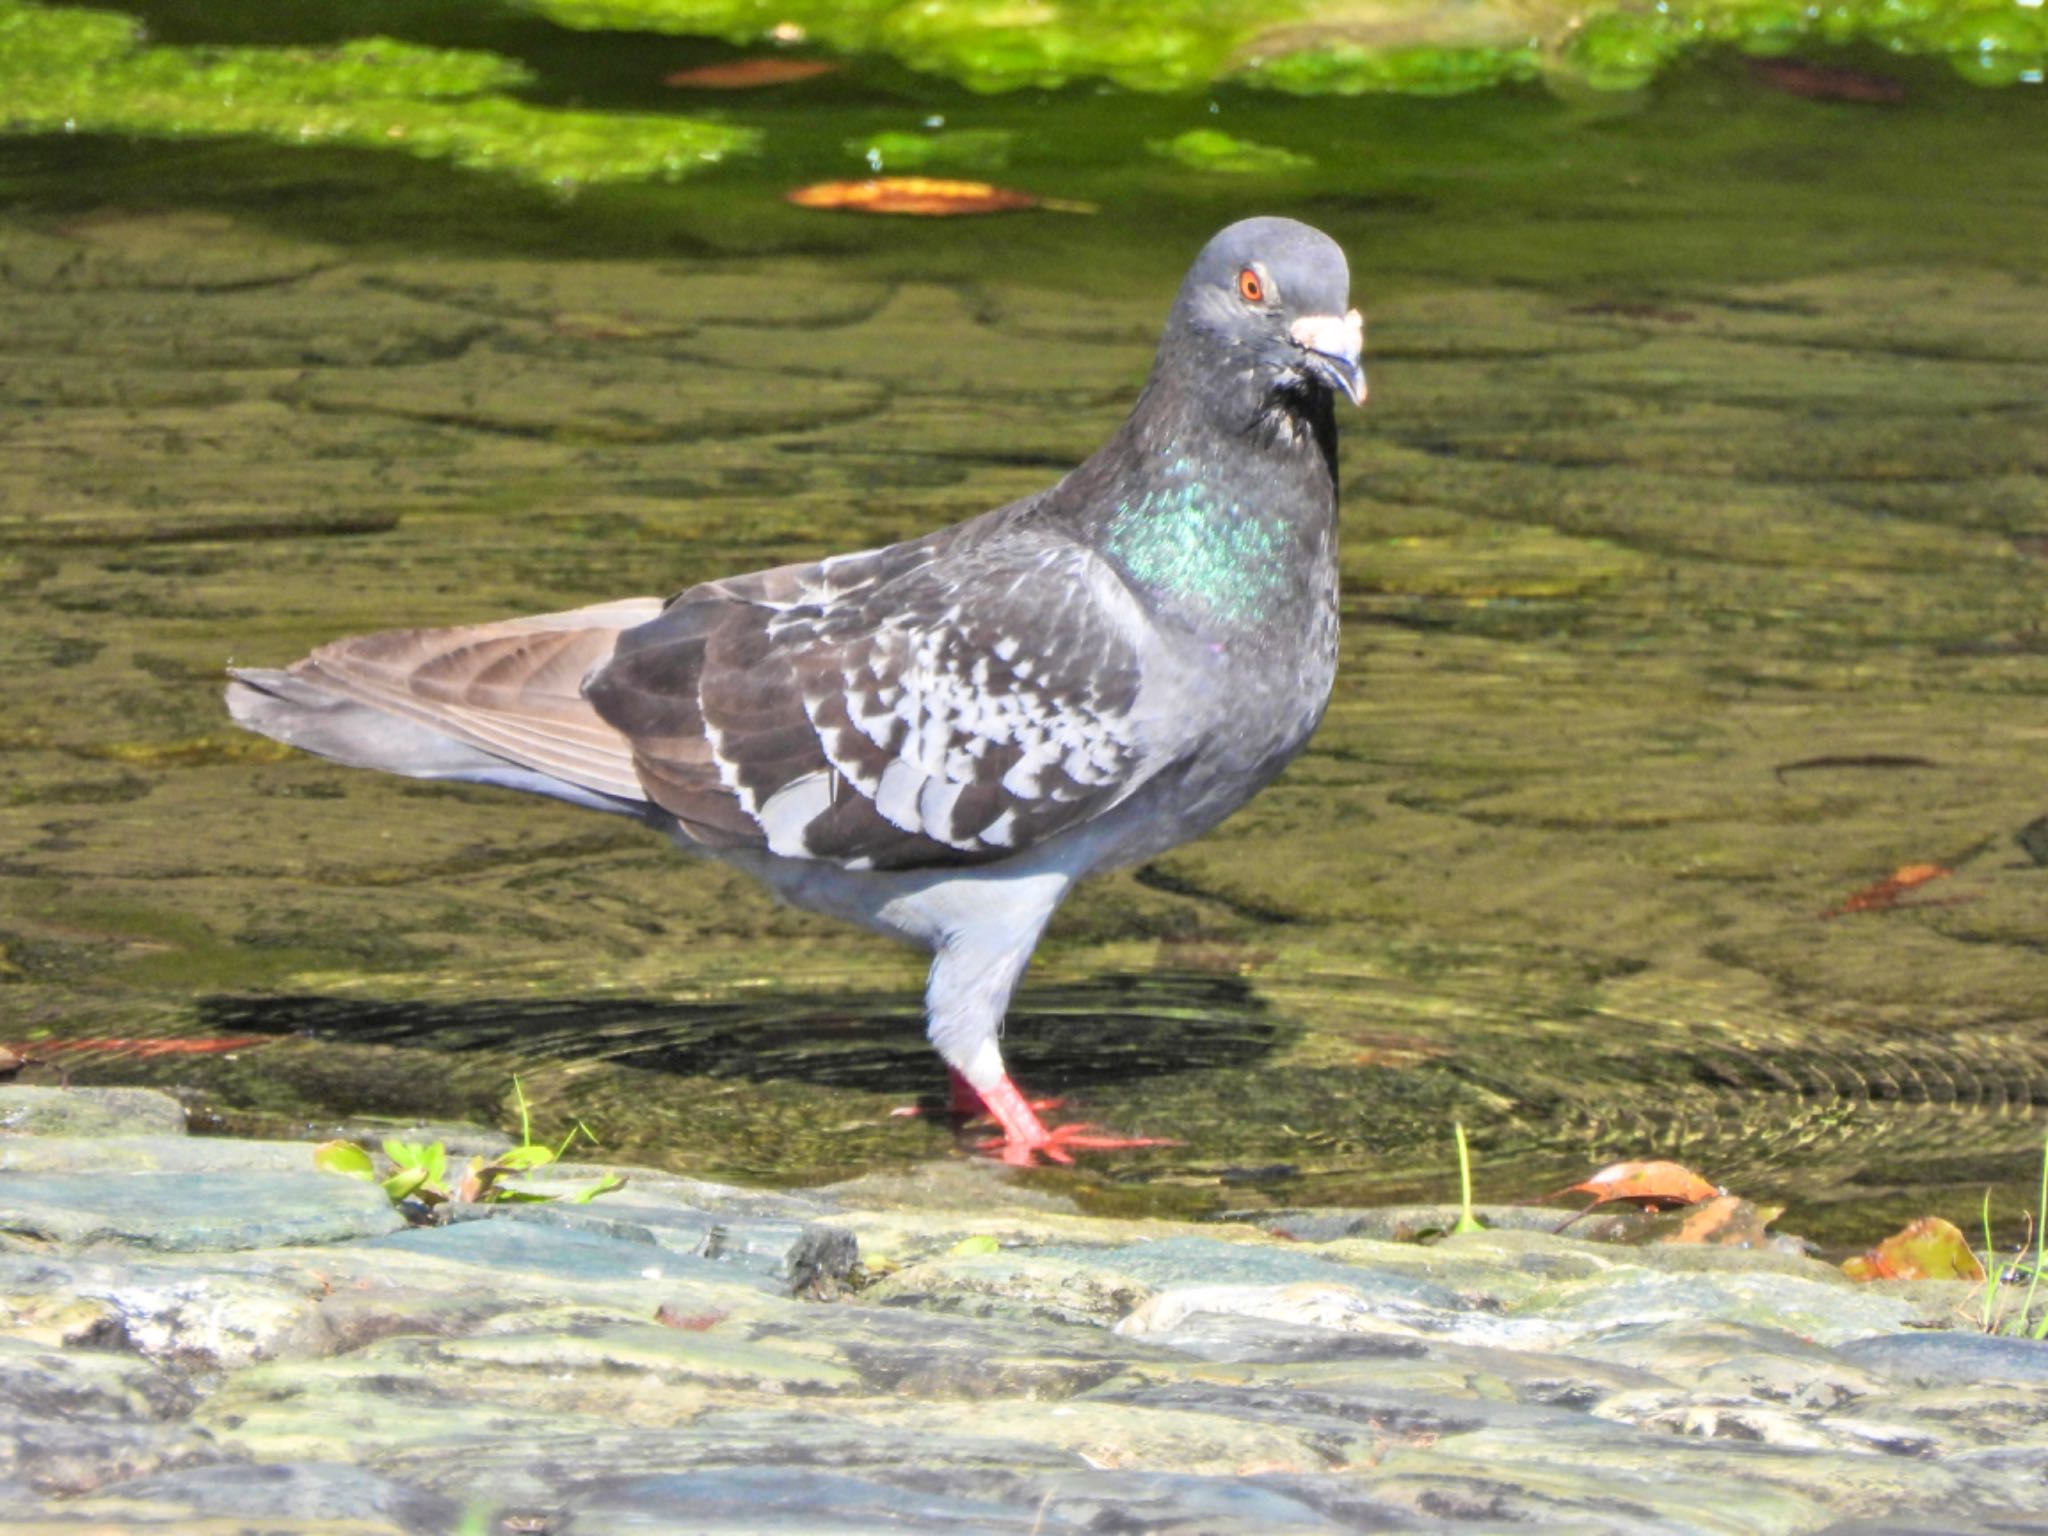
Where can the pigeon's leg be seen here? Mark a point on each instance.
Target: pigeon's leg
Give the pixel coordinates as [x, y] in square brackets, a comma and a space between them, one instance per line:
[965, 1104]
[973, 974]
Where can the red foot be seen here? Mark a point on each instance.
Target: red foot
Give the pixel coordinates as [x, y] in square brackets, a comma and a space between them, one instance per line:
[1025, 1138]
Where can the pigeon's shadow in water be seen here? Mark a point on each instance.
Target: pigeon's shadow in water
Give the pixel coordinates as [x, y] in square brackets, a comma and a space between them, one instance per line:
[1105, 1030]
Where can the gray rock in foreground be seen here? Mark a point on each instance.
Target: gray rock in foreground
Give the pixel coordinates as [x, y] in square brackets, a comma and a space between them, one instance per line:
[231, 1342]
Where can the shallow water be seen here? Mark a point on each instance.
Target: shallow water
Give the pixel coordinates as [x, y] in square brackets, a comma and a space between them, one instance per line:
[1693, 582]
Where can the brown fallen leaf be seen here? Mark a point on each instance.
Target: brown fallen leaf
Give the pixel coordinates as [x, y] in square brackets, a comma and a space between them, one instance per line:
[1927, 1249]
[1822, 82]
[1655, 1186]
[929, 197]
[1885, 894]
[748, 74]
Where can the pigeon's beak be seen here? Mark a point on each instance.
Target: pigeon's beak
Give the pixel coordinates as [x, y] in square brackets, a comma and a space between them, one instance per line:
[1333, 344]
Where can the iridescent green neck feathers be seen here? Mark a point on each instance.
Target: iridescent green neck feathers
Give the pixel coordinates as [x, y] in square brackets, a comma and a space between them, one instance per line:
[1195, 544]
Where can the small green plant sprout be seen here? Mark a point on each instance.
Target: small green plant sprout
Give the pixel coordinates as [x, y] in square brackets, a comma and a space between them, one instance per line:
[1466, 1222]
[419, 1169]
[2027, 1264]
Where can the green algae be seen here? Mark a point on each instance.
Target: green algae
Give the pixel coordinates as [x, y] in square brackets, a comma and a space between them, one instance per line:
[1321, 47]
[83, 71]
[92, 72]
[985, 45]
[1991, 42]
[1211, 149]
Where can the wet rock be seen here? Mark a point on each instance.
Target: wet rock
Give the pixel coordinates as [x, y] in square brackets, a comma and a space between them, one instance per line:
[1948, 1359]
[550, 1461]
[610, 1251]
[298, 1491]
[741, 1501]
[68, 1456]
[648, 1361]
[27, 1111]
[1823, 1312]
[172, 1212]
[78, 1418]
[214, 1321]
[86, 1384]
[1017, 1285]
[804, 1257]
[124, 1153]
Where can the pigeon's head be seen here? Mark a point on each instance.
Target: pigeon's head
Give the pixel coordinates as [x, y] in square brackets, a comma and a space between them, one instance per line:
[1268, 300]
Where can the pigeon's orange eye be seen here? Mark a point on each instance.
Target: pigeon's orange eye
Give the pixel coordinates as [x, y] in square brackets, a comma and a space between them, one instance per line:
[1249, 288]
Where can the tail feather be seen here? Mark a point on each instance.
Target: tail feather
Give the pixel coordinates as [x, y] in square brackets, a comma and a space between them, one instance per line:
[494, 703]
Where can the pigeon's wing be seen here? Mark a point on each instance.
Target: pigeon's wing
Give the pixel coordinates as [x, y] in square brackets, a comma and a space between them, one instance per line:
[925, 704]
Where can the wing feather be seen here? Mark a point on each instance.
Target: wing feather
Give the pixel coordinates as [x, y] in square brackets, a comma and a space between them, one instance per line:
[889, 710]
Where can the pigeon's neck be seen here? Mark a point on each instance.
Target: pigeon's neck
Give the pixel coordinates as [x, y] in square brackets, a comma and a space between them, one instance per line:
[1223, 513]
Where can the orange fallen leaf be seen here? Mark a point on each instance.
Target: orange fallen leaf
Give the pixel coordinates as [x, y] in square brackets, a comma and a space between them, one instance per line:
[1927, 1249]
[749, 74]
[924, 197]
[1656, 1186]
[1886, 892]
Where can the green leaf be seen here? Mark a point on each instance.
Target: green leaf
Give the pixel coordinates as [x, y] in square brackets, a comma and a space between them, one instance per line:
[428, 1156]
[344, 1157]
[519, 1159]
[980, 1243]
[405, 1183]
[603, 1186]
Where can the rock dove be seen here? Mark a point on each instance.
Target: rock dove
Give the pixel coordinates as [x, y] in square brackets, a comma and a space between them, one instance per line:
[937, 739]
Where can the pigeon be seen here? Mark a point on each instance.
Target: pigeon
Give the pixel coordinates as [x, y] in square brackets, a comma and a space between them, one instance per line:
[937, 739]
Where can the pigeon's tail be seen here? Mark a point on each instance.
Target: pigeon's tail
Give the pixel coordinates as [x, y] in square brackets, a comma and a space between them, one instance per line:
[488, 704]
